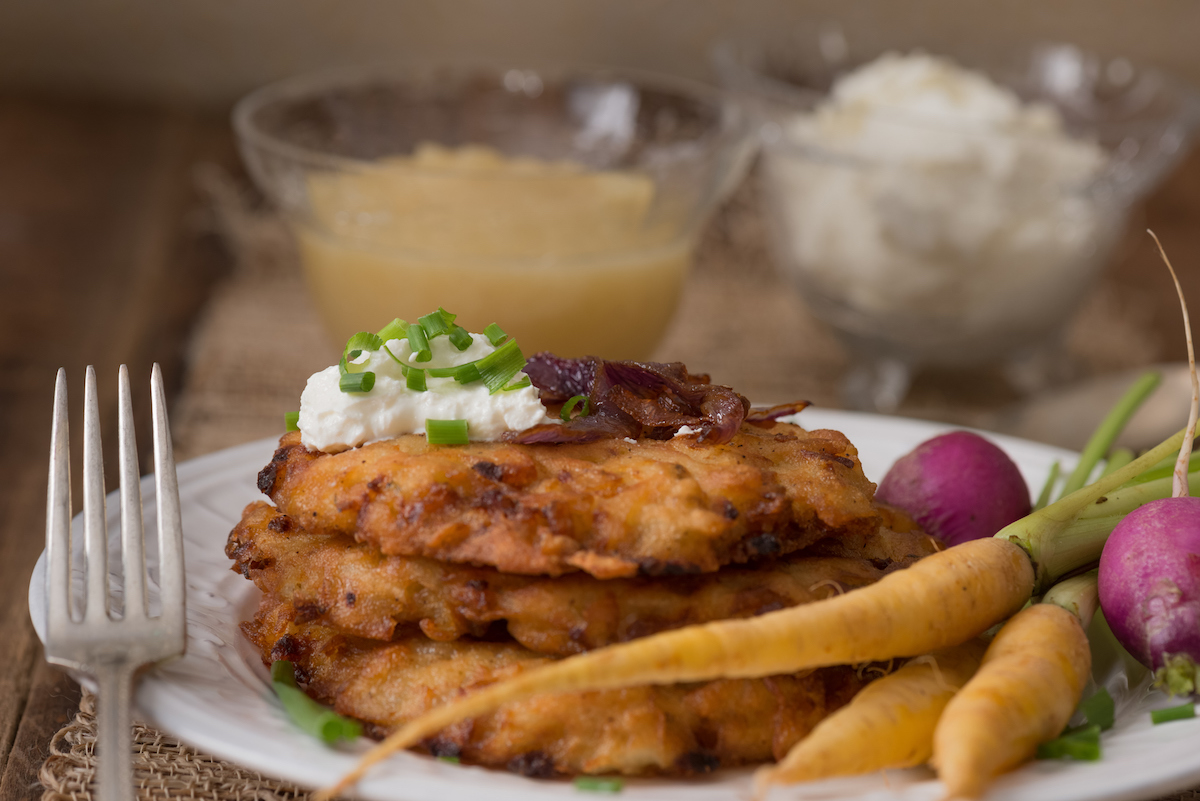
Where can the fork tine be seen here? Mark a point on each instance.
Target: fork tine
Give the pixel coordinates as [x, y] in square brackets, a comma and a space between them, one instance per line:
[95, 532]
[132, 536]
[170, 525]
[58, 515]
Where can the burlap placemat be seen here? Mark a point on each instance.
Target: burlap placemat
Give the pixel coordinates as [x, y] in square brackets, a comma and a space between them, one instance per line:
[258, 341]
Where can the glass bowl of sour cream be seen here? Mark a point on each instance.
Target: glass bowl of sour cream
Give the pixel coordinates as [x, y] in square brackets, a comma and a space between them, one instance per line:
[951, 214]
[566, 202]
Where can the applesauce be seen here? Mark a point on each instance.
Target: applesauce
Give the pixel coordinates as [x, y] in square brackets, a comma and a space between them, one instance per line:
[567, 259]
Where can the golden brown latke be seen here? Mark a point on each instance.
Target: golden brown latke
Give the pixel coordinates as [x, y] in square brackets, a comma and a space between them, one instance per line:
[611, 508]
[664, 730]
[355, 589]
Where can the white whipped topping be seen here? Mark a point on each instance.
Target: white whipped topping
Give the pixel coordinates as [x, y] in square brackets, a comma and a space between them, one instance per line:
[922, 190]
[332, 420]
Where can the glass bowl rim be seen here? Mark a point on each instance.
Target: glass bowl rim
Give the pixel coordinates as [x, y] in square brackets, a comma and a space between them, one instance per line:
[735, 123]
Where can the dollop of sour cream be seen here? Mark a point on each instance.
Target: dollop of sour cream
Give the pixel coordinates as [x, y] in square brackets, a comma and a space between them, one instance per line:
[332, 420]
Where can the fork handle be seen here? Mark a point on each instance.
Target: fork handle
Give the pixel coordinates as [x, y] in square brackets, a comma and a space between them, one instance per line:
[115, 737]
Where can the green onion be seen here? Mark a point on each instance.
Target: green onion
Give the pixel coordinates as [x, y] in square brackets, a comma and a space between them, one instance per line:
[363, 340]
[356, 382]
[1082, 743]
[1166, 470]
[1047, 492]
[435, 324]
[1181, 712]
[495, 334]
[446, 432]
[453, 760]
[319, 721]
[523, 382]
[1118, 458]
[291, 421]
[467, 373]
[1109, 429]
[460, 337]
[501, 366]
[414, 379]
[598, 784]
[396, 329]
[565, 414]
[418, 343]
[388, 351]
[1099, 709]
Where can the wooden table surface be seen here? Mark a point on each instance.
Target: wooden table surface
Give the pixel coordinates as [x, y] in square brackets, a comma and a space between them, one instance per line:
[104, 261]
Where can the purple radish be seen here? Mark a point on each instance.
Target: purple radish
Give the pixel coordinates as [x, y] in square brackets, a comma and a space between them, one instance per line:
[1150, 589]
[1150, 568]
[958, 486]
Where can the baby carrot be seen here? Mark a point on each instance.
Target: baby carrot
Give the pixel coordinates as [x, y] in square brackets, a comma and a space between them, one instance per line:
[961, 591]
[1029, 683]
[895, 714]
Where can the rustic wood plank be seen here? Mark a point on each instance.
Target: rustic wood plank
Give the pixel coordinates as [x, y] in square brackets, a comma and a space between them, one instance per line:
[99, 264]
[54, 700]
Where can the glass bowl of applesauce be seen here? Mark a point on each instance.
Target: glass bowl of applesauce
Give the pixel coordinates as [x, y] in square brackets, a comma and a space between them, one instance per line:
[563, 203]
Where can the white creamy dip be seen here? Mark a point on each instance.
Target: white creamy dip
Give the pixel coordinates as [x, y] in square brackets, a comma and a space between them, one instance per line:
[332, 420]
[919, 194]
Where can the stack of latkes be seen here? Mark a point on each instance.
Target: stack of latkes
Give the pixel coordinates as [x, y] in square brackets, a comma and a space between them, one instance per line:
[399, 575]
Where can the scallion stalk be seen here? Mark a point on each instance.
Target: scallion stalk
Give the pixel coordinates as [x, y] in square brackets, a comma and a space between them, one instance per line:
[356, 382]
[1082, 743]
[414, 379]
[446, 432]
[460, 337]
[435, 324]
[291, 421]
[520, 383]
[363, 340]
[1109, 429]
[467, 373]
[569, 406]
[599, 784]
[1047, 493]
[495, 334]
[1181, 712]
[1118, 458]
[394, 330]
[1100, 709]
[319, 721]
[418, 343]
[500, 366]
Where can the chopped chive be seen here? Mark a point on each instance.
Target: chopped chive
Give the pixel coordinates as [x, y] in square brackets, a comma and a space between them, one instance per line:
[1181, 712]
[1047, 493]
[453, 760]
[495, 334]
[319, 721]
[291, 420]
[356, 382]
[1099, 709]
[418, 343]
[1082, 743]
[435, 324]
[500, 366]
[460, 337]
[521, 383]
[414, 379]
[467, 373]
[570, 405]
[598, 784]
[363, 340]
[394, 330]
[446, 432]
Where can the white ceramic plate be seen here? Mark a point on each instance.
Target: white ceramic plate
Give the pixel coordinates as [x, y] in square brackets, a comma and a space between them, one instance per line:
[217, 698]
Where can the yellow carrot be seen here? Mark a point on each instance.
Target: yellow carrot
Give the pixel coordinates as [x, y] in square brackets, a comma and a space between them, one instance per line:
[961, 591]
[896, 715]
[1029, 683]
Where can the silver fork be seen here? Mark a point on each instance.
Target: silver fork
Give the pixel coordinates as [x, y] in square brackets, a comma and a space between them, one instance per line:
[109, 648]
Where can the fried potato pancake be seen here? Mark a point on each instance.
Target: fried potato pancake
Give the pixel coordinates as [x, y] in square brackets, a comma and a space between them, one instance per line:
[612, 508]
[353, 588]
[657, 730]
